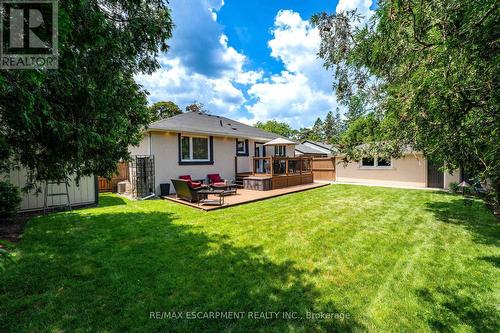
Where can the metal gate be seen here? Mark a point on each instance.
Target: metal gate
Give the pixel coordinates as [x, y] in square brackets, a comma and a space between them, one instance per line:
[142, 170]
[435, 177]
[323, 168]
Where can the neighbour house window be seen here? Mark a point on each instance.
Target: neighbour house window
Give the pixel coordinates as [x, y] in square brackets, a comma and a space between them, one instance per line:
[376, 162]
[194, 148]
[368, 162]
[241, 147]
[279, 150]
[383, 162]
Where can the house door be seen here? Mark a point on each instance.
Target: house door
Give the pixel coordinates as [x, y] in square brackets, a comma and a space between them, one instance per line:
[259, 152]
[435, 177]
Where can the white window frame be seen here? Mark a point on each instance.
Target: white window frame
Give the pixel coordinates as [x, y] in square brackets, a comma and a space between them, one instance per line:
[281, 153]
[376, 166]
[191, 159]
[244, 146]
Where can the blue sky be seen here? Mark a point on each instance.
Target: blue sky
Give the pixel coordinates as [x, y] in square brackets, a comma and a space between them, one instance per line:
[248, 60]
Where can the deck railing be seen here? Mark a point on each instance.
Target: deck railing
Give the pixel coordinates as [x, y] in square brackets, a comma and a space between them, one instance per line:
[278, 165]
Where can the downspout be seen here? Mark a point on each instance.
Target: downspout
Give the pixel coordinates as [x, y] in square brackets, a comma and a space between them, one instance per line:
[150, 142]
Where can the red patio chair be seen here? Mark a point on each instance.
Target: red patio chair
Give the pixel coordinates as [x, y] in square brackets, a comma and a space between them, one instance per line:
[191, 184]
[215, 179]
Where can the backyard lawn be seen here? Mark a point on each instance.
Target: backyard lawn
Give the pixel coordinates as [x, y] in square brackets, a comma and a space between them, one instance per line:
[375, 259]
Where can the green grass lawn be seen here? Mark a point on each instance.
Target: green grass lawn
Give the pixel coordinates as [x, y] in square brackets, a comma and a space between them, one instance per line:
[384, 259]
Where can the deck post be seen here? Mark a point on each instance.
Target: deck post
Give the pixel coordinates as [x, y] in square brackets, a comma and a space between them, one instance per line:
[286, 166]
[271, 163]
[235, 167]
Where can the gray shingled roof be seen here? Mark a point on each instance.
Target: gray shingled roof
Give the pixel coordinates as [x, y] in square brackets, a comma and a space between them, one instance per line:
[307, 149]
[195, 122]
[322, 144]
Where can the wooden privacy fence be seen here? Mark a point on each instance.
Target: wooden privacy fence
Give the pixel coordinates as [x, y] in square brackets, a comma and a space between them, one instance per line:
[323, 168]
[106, 185]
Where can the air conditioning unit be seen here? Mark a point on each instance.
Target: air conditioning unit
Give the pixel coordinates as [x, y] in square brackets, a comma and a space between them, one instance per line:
[123, 186]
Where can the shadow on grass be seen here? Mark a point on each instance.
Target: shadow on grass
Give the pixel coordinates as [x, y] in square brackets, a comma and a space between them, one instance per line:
[452, 308]
[495, 261]
[474, 217]
[109, 272]
[108, 200]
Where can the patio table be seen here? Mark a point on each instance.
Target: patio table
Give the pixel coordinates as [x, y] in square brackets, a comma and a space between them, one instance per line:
[228, 188]
[218, 193]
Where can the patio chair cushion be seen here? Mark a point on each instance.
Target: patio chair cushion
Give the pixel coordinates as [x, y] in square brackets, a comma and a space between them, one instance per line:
[218, 184]
[191, 184]
[214, 178]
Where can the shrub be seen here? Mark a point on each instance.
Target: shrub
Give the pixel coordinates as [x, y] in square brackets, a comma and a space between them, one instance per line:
[10, 199]
[454, 187]
[6, 256]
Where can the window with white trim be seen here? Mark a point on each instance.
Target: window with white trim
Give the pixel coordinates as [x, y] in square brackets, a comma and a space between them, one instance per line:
[375, 163]
[279, 150]
[195, 148]
[241, 147]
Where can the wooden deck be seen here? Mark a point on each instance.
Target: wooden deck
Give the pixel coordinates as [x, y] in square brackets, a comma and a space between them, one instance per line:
[246, 196]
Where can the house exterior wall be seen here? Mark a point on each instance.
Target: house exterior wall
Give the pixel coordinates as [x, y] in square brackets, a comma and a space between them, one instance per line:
[143, 148]
[451, 177]
[244, 163]
[83, 194]
[164, 147]
[410, 170]
[290, 150]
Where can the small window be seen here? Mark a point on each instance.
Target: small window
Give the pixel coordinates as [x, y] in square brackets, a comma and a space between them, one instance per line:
[241, 147]
[186, 154]
[279, 151]
[383, 162]
[368, 161]
[194, 148]
[376, 162]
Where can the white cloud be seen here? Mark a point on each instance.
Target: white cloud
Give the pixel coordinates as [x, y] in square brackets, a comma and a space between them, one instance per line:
[249, 77]
[361, 6]
[201, 67]
[303, 91]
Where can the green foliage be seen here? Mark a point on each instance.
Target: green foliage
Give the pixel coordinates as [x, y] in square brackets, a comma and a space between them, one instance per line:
[81, 118]
[273, 126]
[10, 199]
[454, 188]
[163, 110]
[431, 69]
[317, 131]
[333, 127]
[196, 107]
[6, 256]
[364, 129]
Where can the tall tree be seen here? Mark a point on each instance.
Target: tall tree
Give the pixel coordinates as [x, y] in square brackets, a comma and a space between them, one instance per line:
[333, 127]
[273, 126]
[81, 118]
[317, 131]
[196, 107]
[163, 110]
[430, 68]
[329, 127]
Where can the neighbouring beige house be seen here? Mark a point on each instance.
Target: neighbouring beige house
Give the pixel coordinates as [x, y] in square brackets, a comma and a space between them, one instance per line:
[412, 170]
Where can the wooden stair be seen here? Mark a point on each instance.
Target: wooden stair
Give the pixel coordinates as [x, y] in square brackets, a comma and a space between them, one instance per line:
[240, 176]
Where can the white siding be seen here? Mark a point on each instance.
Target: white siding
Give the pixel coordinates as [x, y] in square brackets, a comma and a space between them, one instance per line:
[84, 194]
